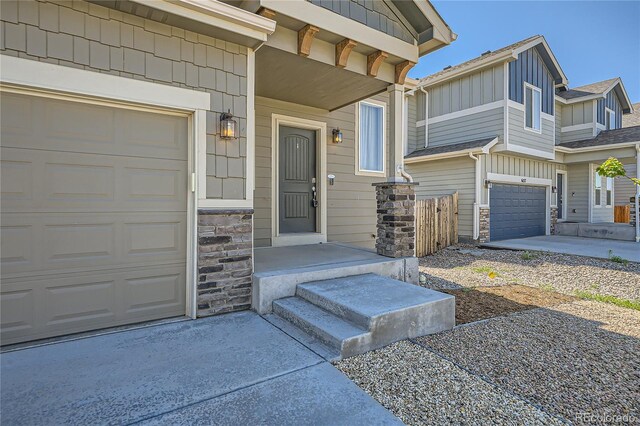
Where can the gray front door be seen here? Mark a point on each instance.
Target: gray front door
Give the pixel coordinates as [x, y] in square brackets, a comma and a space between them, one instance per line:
[560, 189]
[297, 180]
[517, 211]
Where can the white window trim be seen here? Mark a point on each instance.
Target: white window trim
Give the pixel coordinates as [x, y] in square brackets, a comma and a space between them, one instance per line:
[524, 119]
[58, 81]
[608, 113]
[595, 188]
[607, 180]
[358, 170]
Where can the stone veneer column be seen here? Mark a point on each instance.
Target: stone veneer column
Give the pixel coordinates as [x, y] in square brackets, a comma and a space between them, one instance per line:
[485, 230]
[396, 219]
[554, 220]
[225, 263]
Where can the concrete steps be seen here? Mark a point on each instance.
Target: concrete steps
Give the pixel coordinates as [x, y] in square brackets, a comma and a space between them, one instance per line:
[356, 314]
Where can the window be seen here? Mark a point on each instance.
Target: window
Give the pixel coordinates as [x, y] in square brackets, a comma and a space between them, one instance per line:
[610, 119]
[371, 138]
[598, 190]
[609, 191]
[532, 107]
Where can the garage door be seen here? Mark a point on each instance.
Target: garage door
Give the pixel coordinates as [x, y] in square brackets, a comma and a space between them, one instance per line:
[517, 211]
[93, 216]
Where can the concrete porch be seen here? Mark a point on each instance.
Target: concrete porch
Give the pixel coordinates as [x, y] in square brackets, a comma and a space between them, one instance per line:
[603, 230]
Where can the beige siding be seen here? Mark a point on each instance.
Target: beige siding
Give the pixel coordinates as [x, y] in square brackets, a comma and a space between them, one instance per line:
[578, 192]
[480, 88]
[89, 36]
[518, 135]
[443, 177]
[351, 209]
[624, 188]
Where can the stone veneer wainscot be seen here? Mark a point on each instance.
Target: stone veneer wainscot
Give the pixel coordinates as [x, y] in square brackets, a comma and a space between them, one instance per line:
[396, 219]
[225, 263]
[485, 230]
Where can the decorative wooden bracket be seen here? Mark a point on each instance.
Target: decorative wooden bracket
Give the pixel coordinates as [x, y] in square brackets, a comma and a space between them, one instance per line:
[401, 71]
[343, 50]
[267, 13]
[305, 38]
[374, 61]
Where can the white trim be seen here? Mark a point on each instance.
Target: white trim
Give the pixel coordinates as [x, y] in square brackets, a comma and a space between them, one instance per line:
[420, 123]
[320, 127]
[530, 151]
[524, 118]
[59, 81]
[468, 111]
[426, 116]
[613, 195]
[251, 126]
[217, 14]
[607, 114]
[567, 150]
[524, 180]
[590, 195]
[595, 119]
[534, 43]
[358, 170]
[472, 67]
[565, 188]
[575, 127]
[405, 125]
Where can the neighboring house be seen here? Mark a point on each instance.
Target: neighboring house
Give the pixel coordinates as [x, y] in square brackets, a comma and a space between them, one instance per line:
[625, 189]
[121, 200]
[503, 130]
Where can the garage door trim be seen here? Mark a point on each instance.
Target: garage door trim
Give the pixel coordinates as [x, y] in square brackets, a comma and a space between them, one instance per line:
[49, 80]
[526, 181]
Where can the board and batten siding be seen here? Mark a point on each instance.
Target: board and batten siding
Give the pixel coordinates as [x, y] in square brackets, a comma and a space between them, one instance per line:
[613, 103]
[92, 37]
[351, 209]
[624, 188]
[530, 68]
[518, 135]
[578, 192]
[514, 165]
[480, 125]
[477, 89]
[580, 113]
[558, 117]
[444, 177]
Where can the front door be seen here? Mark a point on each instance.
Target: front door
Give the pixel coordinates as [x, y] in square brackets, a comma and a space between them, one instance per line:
[560, 189]
[297, 185]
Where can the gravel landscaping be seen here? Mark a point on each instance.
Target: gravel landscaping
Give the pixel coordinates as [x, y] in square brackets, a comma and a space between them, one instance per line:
[580, 357]
[467, 266]
[421, 388]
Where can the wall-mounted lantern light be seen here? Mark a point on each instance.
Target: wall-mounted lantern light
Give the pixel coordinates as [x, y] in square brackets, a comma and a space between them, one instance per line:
[554, 189]
[487, 184]
[337, 136]
[228, 126]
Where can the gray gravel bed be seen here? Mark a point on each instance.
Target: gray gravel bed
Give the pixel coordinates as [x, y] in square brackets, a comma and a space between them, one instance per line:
[421, 388]
[468, 266]
[580, 357]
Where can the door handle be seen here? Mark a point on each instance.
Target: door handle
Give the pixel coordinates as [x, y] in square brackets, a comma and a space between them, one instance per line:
[314, 199]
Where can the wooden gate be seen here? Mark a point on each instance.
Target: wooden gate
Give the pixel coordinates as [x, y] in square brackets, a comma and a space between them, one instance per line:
[436, 224]
[621, 214]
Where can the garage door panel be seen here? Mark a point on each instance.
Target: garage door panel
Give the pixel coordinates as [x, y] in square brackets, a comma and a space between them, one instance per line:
[165, 291]
[39, 243]
[58, 182]
[517, 211]
[59, 125]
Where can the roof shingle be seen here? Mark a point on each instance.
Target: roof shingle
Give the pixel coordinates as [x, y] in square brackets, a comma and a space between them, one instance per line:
[587, 90]
[433, 150]
[608, 137]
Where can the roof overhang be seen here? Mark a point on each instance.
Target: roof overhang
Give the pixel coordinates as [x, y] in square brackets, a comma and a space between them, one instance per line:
[460, 153]
[216, 19]
[567, 150]
[617, 85]
[552, 63]
[471, 68]
[439, 35]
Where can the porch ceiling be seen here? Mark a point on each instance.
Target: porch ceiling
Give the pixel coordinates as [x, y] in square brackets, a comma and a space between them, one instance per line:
[292, 78]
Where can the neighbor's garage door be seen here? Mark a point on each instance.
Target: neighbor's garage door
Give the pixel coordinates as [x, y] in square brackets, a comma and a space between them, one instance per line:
[517, 211]
[93, 216]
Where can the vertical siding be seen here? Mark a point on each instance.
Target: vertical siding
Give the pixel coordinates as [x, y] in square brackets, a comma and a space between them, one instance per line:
[351, 209]
[530, 68]
[580, 113]
[612, 102]
[624, 188]
[518, 135]
[486, 124]
[477, 89]
[578, 192]
[443, 177]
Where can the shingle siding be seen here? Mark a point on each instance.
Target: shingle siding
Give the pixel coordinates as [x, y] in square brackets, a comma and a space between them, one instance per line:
[92, 37]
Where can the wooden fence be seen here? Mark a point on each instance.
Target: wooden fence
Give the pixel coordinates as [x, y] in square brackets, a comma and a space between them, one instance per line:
[621, 214]
[436, 224]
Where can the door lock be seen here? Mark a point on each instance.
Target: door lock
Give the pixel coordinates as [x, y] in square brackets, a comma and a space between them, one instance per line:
[314, 199]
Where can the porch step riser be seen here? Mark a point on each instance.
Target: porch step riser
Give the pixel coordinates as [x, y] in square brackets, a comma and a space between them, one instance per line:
[337, 309]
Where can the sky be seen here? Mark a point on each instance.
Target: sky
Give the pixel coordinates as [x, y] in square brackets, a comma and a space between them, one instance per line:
[592, 40]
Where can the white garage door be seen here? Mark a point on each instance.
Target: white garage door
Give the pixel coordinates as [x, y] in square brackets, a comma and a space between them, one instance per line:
[93, 216]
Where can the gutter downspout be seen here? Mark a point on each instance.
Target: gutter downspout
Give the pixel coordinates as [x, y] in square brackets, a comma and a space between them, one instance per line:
[637, 194]
[476, 202]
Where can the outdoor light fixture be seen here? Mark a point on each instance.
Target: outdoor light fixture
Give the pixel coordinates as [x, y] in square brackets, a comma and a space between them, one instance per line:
[554, 189]
[487, 184]
[228, 126]
[337, 136]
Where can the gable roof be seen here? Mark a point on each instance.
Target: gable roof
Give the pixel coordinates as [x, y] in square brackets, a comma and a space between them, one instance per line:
[596, 91]
[633, 119]
[625, 135]
[507, 53]
[460, 148]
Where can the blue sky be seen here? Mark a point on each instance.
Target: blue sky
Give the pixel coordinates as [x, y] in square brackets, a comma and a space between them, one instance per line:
[593, 40]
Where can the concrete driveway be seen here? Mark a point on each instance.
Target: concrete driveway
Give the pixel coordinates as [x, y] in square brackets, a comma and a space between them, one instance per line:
[231, 369]
[579, 246]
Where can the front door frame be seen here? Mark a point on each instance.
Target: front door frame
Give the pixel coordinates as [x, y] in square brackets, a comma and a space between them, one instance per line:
[320, 236]
[564, 193]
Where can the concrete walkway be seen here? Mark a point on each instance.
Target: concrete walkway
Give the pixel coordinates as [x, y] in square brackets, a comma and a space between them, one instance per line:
[579, 246]
[231, 369]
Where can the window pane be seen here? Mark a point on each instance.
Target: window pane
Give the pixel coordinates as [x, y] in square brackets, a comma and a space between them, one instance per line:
[371, 138]
[609, 183]
[528, 107]
[536, 110]
[597, 200]
[598, 181]
[609, 193]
